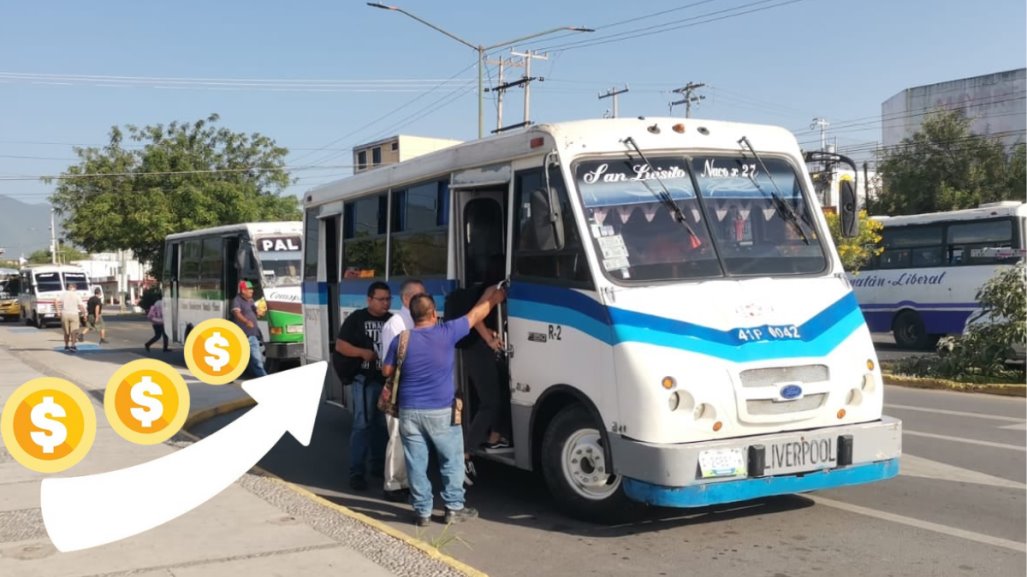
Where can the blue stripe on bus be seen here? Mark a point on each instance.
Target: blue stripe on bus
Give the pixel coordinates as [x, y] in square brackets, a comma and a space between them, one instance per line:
[819, 335]
[916, 305]
[755, 488]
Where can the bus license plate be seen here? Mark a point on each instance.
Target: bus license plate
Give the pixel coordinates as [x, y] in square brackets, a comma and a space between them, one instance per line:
[722, 463]
[801, 455]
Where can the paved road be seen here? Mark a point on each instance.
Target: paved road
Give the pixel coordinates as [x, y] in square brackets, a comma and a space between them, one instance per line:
[958, 508]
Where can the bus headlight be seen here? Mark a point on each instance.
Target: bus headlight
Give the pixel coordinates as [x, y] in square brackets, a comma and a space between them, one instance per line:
[681, 401]
[294, 329]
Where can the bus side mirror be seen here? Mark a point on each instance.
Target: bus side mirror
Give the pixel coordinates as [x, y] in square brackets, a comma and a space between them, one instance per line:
[849, 220]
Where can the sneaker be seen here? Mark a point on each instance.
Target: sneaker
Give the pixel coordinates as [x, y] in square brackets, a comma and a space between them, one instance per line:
[470, 473]
[358, 483]
[74, 349]
[421, 521]
[67, 348]
[397, 496]
[104, 341]
[499, 446]
[460, 515]
[147, 348]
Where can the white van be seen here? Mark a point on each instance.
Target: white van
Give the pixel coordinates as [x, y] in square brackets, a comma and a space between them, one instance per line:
[41, 285]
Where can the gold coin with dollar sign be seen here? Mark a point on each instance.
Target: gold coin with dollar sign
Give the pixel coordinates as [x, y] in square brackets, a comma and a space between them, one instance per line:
[217, 351]
[146, 401]
[48, 424]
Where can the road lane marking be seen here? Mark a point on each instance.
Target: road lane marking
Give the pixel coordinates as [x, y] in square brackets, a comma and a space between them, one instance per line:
[1016, 427]
[956, 413]
[913, 466]
[920, 524]
[1020, 448]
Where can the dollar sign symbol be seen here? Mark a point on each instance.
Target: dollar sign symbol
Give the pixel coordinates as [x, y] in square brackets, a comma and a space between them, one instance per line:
[212, 346]
[151, 408]
[56, 433]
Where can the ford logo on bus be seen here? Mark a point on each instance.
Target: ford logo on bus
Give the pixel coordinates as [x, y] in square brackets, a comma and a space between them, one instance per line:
[789, 392]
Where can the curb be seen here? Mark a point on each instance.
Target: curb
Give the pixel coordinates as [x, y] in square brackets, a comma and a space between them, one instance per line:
[1006, 390]
[206, 414]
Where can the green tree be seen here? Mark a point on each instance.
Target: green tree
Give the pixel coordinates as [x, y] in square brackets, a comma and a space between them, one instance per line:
[65, 253]
[856, 251]
[182, 176]
[946, 167]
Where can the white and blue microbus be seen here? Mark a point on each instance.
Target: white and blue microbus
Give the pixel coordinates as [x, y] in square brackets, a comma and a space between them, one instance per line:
[924, 284]
[680, 331]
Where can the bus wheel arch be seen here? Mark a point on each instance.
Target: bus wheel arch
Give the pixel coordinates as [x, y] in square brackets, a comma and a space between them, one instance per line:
[571, 448]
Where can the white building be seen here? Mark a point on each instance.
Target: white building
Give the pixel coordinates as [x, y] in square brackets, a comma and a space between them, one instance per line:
[995, 103]
[105, 270]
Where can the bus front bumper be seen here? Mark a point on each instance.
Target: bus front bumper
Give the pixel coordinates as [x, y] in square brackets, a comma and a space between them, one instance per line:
[283, 350]
[708, 473]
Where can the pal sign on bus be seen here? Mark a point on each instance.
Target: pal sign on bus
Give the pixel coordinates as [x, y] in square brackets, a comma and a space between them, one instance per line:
[279, 244]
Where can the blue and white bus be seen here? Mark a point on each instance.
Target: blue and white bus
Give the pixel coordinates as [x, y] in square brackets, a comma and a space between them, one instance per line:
[680, 330]
[924, 284]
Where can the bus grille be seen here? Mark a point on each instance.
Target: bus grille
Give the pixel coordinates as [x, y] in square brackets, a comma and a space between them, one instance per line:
[774, 375]
[772, 407]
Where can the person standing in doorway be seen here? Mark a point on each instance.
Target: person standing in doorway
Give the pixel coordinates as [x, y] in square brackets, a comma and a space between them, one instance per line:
[395, 487]
[360, 337]
[244, 314]
[94, 316]
[426, 404]
[156, 316]
[70, 309]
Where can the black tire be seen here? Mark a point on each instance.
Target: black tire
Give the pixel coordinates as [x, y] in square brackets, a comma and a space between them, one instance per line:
[579, 487]
[910, 332]
[40, 324]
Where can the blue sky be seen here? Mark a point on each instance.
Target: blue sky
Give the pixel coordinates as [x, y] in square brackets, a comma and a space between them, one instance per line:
[320, 76]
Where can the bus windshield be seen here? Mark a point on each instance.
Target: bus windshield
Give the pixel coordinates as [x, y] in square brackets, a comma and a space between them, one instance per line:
[280, 268]
[81, 283]
[733, 225]
[48, 282]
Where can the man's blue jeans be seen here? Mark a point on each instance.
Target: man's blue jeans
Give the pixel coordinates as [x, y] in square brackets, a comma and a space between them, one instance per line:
[256, 366]
[420, 428]
[369, 431]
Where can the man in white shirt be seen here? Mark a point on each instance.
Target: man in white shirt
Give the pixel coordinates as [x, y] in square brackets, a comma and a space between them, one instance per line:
[70, 308]
[396, 487]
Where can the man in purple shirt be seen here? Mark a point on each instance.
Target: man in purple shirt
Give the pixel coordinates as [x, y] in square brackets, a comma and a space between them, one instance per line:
[426, 393]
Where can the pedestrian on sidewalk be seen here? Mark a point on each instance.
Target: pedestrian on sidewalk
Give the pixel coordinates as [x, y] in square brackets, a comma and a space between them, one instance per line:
[396, 487]
[94, 316]
[244, 314]
[427, 404]
[360, 339]
[156, 316]
[70, 309]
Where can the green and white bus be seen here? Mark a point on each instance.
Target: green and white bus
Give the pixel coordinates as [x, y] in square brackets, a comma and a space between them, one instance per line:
[202, 270]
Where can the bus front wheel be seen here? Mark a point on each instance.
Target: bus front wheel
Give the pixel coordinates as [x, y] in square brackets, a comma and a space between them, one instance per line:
[910, 332]
[576, 470]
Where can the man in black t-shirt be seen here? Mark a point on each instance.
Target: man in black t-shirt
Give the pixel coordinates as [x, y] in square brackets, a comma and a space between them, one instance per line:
[360, 338]
[94, 316]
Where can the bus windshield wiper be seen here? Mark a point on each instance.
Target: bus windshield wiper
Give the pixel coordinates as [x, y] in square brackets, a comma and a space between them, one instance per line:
[663, 195]
[775, 197]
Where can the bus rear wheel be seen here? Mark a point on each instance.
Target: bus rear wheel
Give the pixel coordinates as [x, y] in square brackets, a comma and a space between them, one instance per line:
[576, 470]
[910, 332]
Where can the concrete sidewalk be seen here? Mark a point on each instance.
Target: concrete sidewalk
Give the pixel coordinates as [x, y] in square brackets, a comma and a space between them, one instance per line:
[258, 526]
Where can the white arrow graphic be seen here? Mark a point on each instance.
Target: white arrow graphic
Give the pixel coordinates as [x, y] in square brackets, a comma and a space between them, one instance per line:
[88, 511]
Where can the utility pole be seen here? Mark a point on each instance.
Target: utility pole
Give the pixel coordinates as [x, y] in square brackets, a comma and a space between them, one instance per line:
[527, 57]
[612, 93]
[822, 124]
[53, 236]
[688, 98]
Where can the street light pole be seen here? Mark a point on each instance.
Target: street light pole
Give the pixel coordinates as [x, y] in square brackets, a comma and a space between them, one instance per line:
[481, 50]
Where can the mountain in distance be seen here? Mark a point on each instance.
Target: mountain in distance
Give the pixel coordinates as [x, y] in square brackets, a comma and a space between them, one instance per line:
[24, 227]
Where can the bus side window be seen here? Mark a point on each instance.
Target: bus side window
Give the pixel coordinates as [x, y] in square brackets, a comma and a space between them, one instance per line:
[537, 254]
